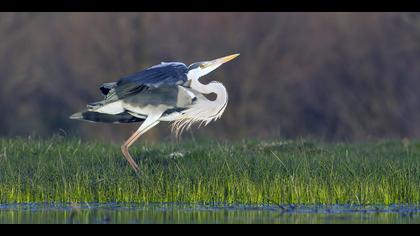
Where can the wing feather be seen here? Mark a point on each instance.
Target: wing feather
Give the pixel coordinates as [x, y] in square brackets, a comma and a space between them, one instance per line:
[172, 73]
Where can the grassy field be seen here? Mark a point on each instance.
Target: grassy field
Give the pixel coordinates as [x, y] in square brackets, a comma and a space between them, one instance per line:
[248, 172]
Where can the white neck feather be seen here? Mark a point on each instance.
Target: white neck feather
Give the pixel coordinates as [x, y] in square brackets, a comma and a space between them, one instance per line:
[203, 111]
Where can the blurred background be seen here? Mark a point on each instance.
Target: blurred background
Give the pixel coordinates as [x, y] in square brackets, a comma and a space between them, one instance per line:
[329, 76]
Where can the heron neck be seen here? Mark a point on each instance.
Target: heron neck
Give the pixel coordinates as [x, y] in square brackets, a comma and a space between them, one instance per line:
[202, 110]
[212, 87]
[216, 107]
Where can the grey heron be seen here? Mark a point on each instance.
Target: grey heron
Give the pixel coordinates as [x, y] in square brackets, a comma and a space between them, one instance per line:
[170, 91]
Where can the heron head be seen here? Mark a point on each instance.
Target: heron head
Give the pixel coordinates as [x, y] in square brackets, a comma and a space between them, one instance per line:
[199, 69]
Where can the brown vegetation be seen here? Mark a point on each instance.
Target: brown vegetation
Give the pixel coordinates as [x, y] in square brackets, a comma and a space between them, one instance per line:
[333, 76]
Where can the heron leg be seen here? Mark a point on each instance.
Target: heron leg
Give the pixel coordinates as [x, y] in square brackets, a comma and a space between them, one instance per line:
[149, 123]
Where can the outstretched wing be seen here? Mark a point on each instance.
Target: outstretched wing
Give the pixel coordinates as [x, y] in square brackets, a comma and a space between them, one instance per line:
[171, 73]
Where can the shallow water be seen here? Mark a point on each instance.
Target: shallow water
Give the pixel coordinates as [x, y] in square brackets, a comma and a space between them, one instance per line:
[178, 213]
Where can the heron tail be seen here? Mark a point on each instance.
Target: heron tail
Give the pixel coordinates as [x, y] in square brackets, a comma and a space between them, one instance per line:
[106, 87]
[93, 116]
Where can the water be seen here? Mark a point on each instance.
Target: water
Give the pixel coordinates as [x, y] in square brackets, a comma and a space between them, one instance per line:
[192, 214]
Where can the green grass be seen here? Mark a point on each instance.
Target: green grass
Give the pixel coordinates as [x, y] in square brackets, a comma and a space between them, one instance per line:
[247, 172]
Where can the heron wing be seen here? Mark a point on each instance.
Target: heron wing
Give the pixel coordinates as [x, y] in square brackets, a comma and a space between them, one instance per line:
[94, 116]
[168, 74]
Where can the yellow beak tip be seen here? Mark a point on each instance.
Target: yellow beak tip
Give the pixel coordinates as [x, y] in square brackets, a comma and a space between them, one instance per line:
[230, 57]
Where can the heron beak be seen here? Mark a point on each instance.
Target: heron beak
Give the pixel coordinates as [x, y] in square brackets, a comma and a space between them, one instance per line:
[219, 61]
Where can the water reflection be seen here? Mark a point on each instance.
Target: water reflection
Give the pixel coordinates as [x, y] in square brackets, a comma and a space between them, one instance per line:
[174, 213]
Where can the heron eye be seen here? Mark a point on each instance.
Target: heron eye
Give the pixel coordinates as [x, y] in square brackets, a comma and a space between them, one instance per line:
[203, 65]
